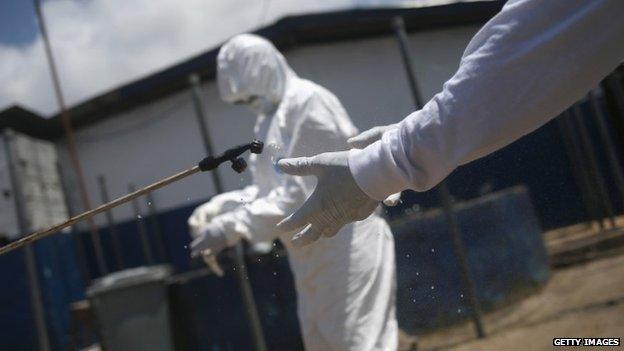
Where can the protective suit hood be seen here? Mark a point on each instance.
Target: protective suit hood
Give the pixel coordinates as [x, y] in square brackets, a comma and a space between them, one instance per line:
[250, 66]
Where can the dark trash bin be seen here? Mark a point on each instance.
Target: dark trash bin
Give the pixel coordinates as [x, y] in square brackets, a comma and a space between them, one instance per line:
[132, 309]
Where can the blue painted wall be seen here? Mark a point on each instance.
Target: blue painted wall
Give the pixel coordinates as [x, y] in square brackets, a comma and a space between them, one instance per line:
[60, 283]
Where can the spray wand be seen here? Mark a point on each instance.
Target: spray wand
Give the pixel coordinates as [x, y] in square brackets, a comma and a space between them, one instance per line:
[207, 164]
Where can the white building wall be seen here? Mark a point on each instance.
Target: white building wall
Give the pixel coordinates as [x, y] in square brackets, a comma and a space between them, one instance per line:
[368, 75]
[34, 164]
[8, 216]
[149, 143]
[156, 140]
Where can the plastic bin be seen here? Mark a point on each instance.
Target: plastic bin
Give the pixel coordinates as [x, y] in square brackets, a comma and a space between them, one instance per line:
[132, 309]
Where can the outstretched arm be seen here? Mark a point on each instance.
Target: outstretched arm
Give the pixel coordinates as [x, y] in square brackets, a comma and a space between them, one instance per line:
[524, 67]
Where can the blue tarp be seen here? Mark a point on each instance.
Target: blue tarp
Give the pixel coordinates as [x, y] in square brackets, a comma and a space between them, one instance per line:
[505, 253]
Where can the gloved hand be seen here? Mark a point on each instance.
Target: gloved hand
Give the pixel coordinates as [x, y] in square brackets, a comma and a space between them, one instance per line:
[217, 205]
[370, 136]
[337, 200]
[208, 244]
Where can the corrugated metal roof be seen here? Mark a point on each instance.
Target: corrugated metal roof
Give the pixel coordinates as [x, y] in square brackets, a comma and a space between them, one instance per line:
[28, 122]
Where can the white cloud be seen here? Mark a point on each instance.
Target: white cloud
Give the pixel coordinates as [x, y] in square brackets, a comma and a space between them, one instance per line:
[100, 44]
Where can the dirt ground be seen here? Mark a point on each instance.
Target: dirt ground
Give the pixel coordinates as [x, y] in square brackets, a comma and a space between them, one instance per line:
[584, 300]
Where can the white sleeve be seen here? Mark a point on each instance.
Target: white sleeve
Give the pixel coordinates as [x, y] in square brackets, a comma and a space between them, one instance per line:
[256, 221]
[219, 204]
[524, 67]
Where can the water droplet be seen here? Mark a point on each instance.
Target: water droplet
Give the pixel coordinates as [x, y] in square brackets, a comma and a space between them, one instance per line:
[149, 203]
[432, 287]
[413, 300]
[407, 255]
[461, 296]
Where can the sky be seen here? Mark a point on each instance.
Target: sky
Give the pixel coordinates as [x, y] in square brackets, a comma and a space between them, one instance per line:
[101, 44]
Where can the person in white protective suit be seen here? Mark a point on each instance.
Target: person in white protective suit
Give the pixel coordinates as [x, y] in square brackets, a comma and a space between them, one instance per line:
[524, 67]
[345, 284]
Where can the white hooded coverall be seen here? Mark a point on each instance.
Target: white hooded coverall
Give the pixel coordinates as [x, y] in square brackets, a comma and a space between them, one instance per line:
[345, 284]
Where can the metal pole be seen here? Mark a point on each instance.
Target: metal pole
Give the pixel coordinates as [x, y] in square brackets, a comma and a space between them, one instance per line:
[77, 235]
[459, 249]
[29, 254]
[616, 165]
[239, 262]
[69, 136]
[445, 197]
[593, 169]
[155, 225]
[203, 127]
[578, 164]
[145, 243]
[401, 35]
[248, 299]
[112, 226]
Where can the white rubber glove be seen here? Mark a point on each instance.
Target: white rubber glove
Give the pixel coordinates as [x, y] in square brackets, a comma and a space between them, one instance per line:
[208, 244]
[217, 205]
[393, 200]
[337, 200]
[368, 137]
